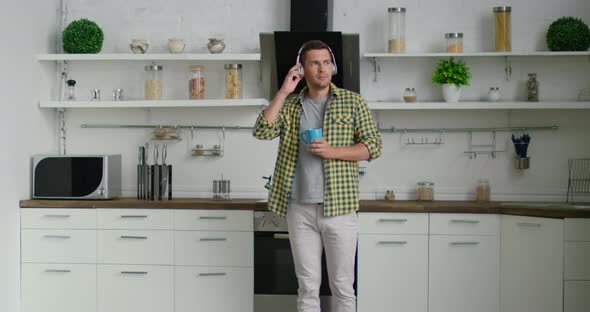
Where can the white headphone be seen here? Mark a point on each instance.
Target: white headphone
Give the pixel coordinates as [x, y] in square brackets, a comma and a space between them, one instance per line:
[334, 67]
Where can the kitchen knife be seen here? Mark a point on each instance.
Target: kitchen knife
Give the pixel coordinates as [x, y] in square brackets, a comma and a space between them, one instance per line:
[139, 170]
[169, 182]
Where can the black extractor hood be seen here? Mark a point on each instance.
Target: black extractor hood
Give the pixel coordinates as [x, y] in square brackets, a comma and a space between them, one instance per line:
[311, 15]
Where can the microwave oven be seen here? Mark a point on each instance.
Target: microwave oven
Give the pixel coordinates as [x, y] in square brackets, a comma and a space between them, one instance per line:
[76, 177]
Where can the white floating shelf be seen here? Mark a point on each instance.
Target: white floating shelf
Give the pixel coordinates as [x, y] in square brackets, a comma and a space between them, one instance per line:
[476, 105]
[475, 54]
[161, 103]
[151, 57]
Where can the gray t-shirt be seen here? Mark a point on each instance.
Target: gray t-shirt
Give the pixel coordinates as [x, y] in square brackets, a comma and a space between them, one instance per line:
[308, 185]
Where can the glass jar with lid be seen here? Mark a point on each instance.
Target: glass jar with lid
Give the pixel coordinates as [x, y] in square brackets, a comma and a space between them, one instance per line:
[502, 28]
[196, 83]
[233, 81]
[482, 191]
[454, 42]
[494, 94]
[425, 190]
[153, 82]
[396, 42]
[410, 95]
[70, 93]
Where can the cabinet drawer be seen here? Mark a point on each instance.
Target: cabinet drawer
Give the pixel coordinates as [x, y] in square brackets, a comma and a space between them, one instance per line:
[58, 246]
[214, 248]
[45, 218]
[58, 287]
[464, 224]
[393, 223]
[135, 219]
[577, 261]
[135, 247]
[576, 296]
[577, 229]
[124, 288]
[214, 220]
[214, 289]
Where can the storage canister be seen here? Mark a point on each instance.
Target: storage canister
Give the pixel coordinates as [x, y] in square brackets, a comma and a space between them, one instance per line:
[425, 190]
[502, 28]
[196, 83]
[233, 81]
[397, 30]
[153, 82]
[454, 42]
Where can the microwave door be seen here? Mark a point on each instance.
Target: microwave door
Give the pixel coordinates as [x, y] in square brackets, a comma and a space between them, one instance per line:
[68, 177]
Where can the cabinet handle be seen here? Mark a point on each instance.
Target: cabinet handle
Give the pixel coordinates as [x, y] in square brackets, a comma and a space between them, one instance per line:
[134, 272]
[57, 236]
[57, 216]
[464, 221]
[212, 274]
[391, 242]
[133, 237]
[134, 216]
[281, 236]
[212, 218]
[57, 271]
[392, 220]
[213, 239]
[529, 224]
[464, 243]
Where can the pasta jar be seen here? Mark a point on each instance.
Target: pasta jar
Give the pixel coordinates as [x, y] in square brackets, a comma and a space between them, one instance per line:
[425, 191]
[396, 42]
[233, 81]
[153, 82]
[482, 191]
[502, 28]
[454, 42]
[196, 83]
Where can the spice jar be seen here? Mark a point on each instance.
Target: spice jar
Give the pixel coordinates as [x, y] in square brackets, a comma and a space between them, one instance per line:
[494, 94]
[233, 81]
[454, 42]
[425, 191]
[196, 83]
[397, 28]
[482, 191]
[502, 28]
[153, 82]
[410, 95]
[70, 94]
[532, 86]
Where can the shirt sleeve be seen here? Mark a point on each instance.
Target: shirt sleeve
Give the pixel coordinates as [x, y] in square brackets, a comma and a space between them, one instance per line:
[265, 130]
[366, 131]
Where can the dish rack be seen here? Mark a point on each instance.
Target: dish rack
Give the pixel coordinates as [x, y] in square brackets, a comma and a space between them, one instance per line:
[578, 181]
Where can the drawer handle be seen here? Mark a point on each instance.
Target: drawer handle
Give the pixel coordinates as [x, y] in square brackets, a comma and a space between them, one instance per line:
[392, 242]
[57, 216]
[464, 243]
[134, 216]
[57, 271]
[281, 236]
[392, 220]
[464, 221]
[134, 272]
[212, 274]
[212, 218]
[133, 237]
[213, 239]
[57, 236]
[529, 224]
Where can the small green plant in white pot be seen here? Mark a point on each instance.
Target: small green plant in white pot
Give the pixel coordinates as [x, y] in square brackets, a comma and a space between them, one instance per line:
[452, 75]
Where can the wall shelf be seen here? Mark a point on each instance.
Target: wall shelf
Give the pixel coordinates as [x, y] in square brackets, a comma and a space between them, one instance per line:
[155, 104]
[151, 57]
[477, 105]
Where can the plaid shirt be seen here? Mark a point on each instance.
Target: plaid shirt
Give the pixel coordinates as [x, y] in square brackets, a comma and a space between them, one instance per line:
[347, 121]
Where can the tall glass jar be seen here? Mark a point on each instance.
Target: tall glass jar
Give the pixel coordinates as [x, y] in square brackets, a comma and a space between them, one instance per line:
[397, 30]
[196, 83]
[482, 191]
[532, 86]
[70, 92]
[233, 81]
[502, 28]
[153, 82]
[454, 42]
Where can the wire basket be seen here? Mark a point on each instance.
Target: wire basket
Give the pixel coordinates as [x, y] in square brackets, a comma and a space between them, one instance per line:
[578, 181]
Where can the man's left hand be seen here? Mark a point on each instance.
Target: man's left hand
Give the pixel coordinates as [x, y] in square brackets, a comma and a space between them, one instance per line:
[322, 148]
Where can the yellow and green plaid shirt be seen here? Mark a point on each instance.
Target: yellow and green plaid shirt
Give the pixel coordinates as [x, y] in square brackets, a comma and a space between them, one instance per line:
[347, 121]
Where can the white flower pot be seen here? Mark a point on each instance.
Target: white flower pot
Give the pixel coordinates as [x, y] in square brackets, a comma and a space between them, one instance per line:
[451, 92]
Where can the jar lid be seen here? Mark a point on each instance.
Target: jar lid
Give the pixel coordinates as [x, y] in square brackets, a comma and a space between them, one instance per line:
[71, 82]
[409, 89]
[425, 183]
[197, 67]
[502, 9]
[232, 66]
[396, 10]
[154, 67]
[454, 35]
[494, 88]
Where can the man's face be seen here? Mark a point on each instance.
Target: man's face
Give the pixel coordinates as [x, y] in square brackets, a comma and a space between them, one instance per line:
[317, 65]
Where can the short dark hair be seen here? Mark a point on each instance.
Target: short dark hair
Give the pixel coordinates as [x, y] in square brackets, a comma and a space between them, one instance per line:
[313, 45]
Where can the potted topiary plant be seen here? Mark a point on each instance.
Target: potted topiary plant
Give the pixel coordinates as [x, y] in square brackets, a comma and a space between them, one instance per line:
[452, 75]
[568, 34]
[82, 36]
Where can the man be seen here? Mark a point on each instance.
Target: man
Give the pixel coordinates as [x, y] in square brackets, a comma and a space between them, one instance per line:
[316, 185]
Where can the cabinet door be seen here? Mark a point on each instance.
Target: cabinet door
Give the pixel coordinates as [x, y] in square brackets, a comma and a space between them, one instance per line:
[392, 273]
[58, 287]
[464, 273]
[135, 288]
[214, 248]
[214, 289]
[531, 264]
[58, 246]
[135, 247]
[576, 296]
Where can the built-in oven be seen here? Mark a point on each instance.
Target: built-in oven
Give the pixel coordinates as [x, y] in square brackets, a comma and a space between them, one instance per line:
[275, 283]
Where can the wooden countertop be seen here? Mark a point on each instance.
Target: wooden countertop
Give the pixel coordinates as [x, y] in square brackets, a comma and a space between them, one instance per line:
[511, 208]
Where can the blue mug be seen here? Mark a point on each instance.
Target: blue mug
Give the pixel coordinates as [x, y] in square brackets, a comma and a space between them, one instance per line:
[308, 135]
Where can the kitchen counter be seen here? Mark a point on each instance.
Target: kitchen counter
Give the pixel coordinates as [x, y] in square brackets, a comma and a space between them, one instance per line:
[539, 209]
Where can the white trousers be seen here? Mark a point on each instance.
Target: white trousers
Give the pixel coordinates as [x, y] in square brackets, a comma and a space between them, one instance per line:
[309, 233]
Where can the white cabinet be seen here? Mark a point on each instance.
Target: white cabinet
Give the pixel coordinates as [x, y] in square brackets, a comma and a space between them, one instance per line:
[464, 263]
[576, 292]
[213, 248]
[531, 264]
[58, 246]
[135, 247]
[392, 262]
